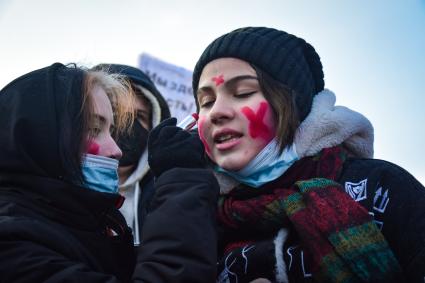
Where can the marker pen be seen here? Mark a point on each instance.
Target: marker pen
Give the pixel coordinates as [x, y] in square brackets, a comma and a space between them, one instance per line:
[189, 122]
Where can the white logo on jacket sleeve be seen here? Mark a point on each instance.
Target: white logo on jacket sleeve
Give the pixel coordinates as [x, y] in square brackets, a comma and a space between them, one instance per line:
[289, 252]
[380, 201]
[224, 276]
[357, 191]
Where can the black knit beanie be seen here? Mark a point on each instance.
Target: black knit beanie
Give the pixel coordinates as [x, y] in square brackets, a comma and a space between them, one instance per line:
[285, 57]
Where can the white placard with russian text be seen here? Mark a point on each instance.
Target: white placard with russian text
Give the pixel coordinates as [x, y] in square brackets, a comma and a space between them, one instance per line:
[174, 83]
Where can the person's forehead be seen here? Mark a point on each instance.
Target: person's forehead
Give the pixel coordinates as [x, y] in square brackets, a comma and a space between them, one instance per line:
[102, 105]
[142, 103]
[225, 68]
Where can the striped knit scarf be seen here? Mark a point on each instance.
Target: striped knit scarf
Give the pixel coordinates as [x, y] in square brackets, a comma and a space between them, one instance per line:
[335, 231]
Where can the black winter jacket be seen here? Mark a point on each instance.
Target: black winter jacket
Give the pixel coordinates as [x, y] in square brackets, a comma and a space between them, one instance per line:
[53, 232]
[62, 233]
[396, 200]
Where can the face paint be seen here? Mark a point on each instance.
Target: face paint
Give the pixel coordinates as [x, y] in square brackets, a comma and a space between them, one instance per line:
[218, 80]
[93, 148]
[257, 128]
[201, 121]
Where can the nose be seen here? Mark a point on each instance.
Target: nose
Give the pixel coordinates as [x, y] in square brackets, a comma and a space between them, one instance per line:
[113, 150]
[221, 111]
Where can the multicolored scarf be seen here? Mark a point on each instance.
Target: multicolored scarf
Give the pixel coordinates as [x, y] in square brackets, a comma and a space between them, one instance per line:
[337, 233]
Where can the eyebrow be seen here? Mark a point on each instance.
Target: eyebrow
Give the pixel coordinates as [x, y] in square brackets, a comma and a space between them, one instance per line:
[100, 119]
[142, 111]
[228, 83]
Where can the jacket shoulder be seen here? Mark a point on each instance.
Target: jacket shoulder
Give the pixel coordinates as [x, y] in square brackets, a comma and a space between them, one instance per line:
[396, 202]
[374, 173]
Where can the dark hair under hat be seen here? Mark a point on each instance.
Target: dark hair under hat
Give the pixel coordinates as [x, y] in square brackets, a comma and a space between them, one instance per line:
[287, 58]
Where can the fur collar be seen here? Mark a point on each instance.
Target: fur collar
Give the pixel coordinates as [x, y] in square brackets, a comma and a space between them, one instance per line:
[328, 125]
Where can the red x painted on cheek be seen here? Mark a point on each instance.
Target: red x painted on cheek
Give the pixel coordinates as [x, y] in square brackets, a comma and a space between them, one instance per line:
[93, 148]
[201, 135]
[218, 80]
[257, 128]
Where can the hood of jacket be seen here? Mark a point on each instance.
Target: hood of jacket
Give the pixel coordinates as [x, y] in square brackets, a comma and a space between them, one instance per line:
[38, 114]
[160, 112]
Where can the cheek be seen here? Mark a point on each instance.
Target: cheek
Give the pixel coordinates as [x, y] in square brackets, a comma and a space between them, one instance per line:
[259, 126]
[93, 148]
[201, 132]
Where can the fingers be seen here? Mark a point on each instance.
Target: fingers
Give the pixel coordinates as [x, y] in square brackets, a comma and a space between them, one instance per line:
[168, 122]
[156, 132]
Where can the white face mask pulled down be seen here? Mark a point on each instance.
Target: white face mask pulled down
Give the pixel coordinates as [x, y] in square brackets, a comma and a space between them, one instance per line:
[267, 166]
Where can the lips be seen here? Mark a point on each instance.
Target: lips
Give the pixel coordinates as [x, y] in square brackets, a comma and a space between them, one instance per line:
[226, 139]
[226, 135]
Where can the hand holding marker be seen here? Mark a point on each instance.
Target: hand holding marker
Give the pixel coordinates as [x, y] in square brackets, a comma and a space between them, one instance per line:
[189, 122]
[171, 147]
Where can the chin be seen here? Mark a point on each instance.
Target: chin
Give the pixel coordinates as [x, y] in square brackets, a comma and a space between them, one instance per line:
[232, 164]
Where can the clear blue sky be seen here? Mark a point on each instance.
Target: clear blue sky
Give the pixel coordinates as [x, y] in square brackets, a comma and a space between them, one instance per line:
[373, 52]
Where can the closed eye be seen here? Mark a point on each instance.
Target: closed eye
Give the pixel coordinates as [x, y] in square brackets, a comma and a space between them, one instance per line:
[207, 104]
[94, 132]
[206, 101]
[245, 94]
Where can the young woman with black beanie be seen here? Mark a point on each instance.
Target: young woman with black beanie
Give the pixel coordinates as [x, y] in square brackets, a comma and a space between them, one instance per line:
[302, 199]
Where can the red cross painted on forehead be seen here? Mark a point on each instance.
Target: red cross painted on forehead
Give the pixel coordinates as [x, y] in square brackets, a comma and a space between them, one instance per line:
[218, 80]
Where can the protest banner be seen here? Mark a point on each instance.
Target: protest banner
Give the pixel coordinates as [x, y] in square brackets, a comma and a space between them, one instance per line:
[174, 83]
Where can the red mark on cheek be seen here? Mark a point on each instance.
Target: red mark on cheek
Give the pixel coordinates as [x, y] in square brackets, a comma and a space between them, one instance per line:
[93, 148]
[201, 135]
[218, 80]
[257, 128]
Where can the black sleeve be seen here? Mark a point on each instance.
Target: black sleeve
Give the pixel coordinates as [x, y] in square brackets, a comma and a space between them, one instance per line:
[147, 191]
[396, 201]
[28, 261]
[179, 234]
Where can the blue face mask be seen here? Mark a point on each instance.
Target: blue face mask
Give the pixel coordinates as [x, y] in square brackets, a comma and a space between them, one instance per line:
[267, 166]
[100, 173]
